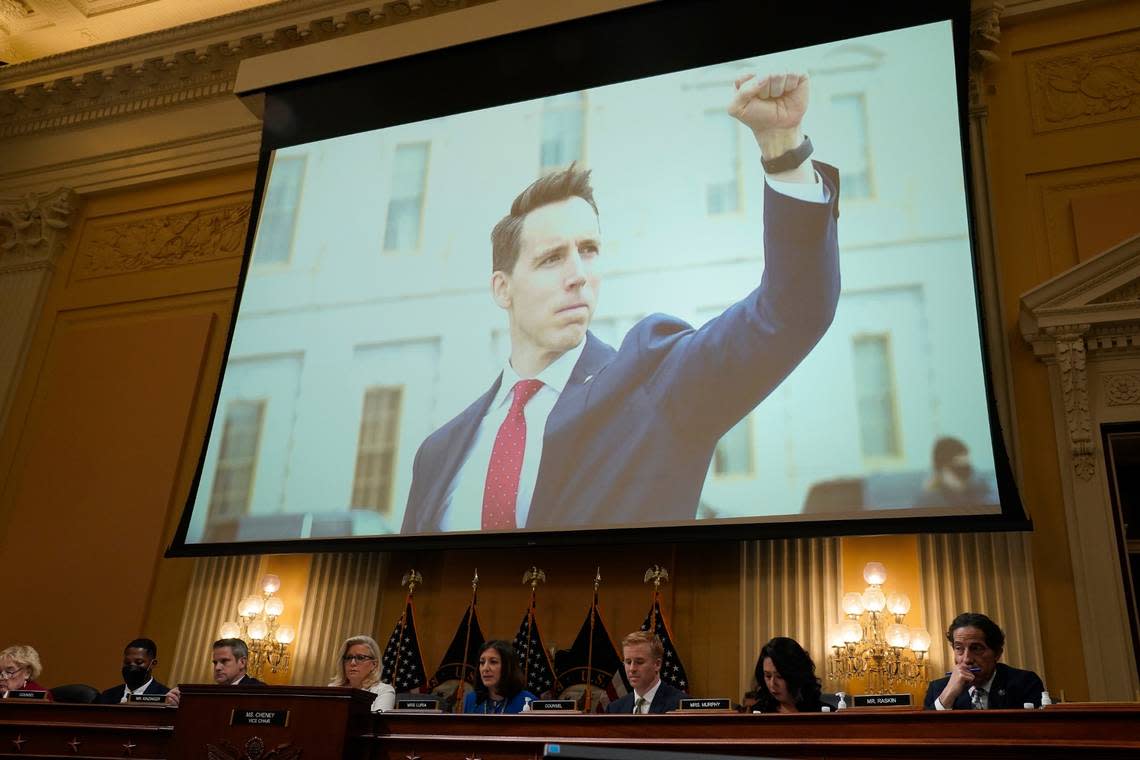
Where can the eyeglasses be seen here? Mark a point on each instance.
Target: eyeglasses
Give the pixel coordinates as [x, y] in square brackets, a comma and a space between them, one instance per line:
[357, 658]
[9, 672]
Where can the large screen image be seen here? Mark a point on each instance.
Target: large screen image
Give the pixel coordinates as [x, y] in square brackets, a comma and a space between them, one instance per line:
[653, 334]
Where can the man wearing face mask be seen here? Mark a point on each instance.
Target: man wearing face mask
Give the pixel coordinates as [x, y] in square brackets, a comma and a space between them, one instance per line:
[953, 480]
[139, 658]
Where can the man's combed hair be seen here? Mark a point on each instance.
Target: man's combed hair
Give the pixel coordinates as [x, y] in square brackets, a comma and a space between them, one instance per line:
[570, 182]
[239, 647]
[995, 638]
[147, 645]
[652, 640]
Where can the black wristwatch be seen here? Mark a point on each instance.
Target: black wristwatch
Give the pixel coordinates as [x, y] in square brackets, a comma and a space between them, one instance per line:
[789, 159]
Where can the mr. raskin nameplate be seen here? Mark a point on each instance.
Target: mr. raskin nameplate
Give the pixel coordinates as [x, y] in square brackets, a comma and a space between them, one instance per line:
[259, 718]
[690, 705]
[553, 705]
[147, 699]
[881, 700]
[417, 704]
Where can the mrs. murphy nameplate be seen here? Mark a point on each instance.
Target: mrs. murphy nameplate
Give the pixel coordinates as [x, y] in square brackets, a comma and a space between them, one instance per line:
[259, 718]
[706, 704]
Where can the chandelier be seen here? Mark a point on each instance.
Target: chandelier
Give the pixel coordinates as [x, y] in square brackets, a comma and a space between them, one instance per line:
[268, 642]
[890, 655]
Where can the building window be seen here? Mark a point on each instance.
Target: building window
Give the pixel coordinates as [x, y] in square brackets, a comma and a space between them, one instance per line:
[722, 163]
[733, 454]
[237, 460]
[279, 211]
[376, 452]
[406, 200]
[563, 131]
[853, 147]
[876, 397]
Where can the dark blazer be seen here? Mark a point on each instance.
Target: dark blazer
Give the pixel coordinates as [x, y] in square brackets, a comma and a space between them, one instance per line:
[667, 698]
[632, 434]
[114, 695]
[250, 681]
[1011, 688]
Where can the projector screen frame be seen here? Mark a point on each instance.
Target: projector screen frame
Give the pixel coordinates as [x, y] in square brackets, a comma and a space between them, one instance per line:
[326, 103]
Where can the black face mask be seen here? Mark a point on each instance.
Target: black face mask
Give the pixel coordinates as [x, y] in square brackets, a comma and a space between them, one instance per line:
[134, 676]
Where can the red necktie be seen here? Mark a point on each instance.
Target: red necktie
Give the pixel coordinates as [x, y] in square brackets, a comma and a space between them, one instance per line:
[501, 490]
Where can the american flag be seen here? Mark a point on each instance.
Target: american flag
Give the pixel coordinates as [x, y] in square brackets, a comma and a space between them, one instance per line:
[403, 662]
[672, 670]
[533, 658]
[600, 662]
[452, 667]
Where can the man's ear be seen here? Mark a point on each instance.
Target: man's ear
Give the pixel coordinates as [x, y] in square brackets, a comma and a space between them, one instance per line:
[501, 289]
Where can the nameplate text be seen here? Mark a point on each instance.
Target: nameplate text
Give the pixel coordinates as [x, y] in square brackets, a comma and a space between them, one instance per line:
[27, 694]
[881, 700]
[706, 704]
[417, 704]
[147, 699]
[553, 705]
[259, 718]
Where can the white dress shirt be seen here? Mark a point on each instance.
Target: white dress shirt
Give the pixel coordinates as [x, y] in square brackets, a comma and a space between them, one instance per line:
[647, 696]
[464, 499]
[140, 690]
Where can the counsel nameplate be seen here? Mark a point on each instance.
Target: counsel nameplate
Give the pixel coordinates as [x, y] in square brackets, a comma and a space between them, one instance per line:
[553, 705]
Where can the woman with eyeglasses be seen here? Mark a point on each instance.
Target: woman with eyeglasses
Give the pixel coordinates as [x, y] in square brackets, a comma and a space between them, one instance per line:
[499, 685]
[359, 664]
[19, 669]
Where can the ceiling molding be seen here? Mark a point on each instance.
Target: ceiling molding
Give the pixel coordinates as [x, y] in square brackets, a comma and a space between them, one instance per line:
[140, 74]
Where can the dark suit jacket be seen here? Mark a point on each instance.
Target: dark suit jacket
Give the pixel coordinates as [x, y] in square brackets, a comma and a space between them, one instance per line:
[1011, 688]
[250, 681]
[667, 698]
[632, 434]
[114, 695]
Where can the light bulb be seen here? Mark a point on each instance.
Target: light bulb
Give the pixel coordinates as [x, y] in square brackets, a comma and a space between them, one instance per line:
[253, 605]
[258, 630]
[229, 630]
[835, 635]
[270, 583]
[285, 634]
[874, 600]
[853, 603]
[852, 632]
[919, 640]
[898, 635]
[274, 606]
[898, 603]
[874, 573]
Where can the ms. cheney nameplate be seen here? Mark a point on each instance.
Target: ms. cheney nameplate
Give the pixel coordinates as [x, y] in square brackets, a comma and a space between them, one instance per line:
[259, 718]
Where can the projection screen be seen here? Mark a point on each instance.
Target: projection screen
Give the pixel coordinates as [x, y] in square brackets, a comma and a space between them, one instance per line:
[716, 386]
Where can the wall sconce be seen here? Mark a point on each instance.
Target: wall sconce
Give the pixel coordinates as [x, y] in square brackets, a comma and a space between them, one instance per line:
[268, 642]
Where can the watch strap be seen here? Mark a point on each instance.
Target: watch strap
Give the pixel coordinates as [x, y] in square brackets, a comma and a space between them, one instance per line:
[788, 160]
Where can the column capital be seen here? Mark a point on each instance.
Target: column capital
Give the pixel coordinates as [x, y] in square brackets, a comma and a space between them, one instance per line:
[985, 35]
[33, 228]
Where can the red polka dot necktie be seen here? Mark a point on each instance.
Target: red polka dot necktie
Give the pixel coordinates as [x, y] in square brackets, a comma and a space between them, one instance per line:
[501, 490]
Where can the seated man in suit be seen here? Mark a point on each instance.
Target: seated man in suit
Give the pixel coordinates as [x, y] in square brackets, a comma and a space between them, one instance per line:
[575, 433]
[139, 660]
[229, 659]
[978, 681]
[642, 653]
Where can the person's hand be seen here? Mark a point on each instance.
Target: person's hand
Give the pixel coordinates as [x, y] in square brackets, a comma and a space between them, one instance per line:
[173, 696]
[773, 102]
[961, 679]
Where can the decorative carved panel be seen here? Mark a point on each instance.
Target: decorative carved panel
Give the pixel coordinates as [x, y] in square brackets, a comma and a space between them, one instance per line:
[173, 239]
[1075, 392]
[1085, 88]
[1121, 388]
[33, 228]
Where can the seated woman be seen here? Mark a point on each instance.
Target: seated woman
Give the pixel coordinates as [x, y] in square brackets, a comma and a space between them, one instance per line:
[19, 669]
[499, 687]
[359, 664]
[785, 678]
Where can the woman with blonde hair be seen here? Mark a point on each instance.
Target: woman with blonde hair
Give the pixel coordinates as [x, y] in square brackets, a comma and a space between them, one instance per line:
[19, 668]
[359, 665]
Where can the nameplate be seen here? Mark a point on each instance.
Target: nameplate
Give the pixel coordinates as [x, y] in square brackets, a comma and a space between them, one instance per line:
[147, 699]
[553, 705]
[417, 704]
[705, 704]
[27, 694]
[259, 718]
[881, 700]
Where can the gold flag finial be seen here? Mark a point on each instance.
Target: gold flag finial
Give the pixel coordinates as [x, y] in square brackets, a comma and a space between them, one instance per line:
[411, 579]
[597, 579]
[534, 576]
[658, 575]
[475, 580]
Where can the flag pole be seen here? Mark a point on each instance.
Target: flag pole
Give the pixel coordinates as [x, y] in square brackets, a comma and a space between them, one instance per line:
[590, 650]
[411, 579]
[658, 575]
[533, 576]
[466, 644]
